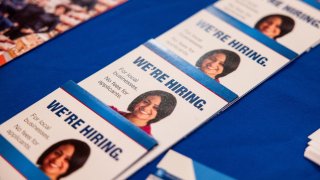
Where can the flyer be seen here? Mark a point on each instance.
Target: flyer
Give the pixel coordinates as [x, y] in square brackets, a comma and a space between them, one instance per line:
[312, 152]
[222, 52]
[69, 134]
[175, 166]
[25, 25]
[294, 24]
[154, 89]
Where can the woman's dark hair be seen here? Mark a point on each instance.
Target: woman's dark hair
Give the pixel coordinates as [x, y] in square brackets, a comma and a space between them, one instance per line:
[287, 24]
[166, 107]
[232, 61]
[79, 157]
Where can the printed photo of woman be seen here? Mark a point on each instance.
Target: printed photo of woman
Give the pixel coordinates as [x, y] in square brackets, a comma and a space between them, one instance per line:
[63, 158]
[218, 63]
[149, 107]
[275, 26]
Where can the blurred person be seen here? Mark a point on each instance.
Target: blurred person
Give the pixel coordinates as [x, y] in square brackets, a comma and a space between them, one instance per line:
[34, 19]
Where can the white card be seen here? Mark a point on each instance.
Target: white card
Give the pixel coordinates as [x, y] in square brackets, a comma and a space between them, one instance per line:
[246, 62]
[292, 23]
[70, 134]
[315, 144]
[315, 135]
[149, 68]
[312, 154]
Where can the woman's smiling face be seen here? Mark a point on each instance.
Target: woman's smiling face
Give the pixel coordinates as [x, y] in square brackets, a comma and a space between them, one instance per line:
[147, 109]
[213, 65]
[271, 27]
[56, 163]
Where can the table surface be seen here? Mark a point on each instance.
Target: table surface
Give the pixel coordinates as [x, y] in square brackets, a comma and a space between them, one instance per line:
[262, 136]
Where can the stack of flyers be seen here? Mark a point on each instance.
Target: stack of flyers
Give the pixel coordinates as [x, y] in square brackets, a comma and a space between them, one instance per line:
[175, 166]
[312, 152]
[221, 43]
[137, 107]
